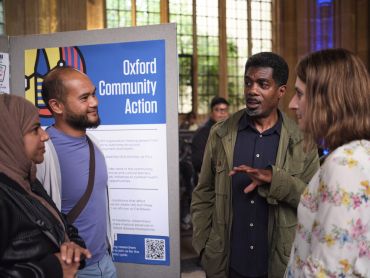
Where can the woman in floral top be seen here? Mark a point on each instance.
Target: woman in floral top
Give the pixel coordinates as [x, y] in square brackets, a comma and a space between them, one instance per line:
[332, 104]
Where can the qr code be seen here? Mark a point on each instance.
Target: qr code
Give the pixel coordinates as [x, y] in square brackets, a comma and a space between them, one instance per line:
[155, 249]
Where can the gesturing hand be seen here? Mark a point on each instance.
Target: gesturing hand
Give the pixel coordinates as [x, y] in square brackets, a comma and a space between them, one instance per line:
[258, 176]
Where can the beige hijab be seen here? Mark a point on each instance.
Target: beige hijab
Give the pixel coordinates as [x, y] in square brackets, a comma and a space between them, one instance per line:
[17, 115]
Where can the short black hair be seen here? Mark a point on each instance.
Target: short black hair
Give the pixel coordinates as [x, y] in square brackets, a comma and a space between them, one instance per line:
[218, 100]
[272, 60]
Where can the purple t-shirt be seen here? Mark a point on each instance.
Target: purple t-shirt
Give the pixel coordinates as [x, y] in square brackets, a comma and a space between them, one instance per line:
[74, 157]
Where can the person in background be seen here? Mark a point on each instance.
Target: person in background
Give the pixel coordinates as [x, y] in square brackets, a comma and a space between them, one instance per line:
[219, 111]
[70, 96]
[35, 240]
[254, 171]
[189, 122]
[332, 104]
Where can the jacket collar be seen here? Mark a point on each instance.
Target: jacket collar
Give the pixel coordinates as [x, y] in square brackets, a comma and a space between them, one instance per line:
[295, 135]
[230, 124]
[228, 130]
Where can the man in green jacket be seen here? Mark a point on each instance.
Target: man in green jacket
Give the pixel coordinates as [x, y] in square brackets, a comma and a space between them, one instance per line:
[254, 171]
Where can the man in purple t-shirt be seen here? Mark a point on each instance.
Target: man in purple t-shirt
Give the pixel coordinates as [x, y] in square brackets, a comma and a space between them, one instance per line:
[70, 96]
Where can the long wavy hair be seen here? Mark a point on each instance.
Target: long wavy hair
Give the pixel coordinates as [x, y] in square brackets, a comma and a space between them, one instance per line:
[337, 97]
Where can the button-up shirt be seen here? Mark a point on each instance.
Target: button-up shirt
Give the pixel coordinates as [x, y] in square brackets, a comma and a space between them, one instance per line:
[249, 234]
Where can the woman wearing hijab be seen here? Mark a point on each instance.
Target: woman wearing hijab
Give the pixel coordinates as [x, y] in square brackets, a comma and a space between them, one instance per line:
[332, 104]
[35, 240]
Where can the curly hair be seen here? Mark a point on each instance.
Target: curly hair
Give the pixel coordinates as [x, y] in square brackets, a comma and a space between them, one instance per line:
[280, 68]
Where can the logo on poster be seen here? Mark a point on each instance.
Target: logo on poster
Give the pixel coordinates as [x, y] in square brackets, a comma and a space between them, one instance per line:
[145, 87]
[139, 67]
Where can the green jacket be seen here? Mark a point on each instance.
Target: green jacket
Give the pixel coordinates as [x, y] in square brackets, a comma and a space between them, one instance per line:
[211, 205]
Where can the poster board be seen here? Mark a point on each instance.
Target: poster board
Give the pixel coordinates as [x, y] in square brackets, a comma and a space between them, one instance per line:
[136, 76]
[4, 65]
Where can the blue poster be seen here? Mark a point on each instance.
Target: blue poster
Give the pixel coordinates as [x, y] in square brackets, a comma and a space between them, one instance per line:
[129, 78]
[131, 89]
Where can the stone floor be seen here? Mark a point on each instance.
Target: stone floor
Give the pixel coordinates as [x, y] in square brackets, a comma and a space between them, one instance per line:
[193, 274]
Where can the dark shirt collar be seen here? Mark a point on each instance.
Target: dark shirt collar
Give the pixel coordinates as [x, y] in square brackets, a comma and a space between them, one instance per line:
[210, 122]
[246, 122]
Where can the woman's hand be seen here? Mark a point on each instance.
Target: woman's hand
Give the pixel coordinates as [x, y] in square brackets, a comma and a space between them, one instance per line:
[70, 256]
[70, 252]
[69, 270]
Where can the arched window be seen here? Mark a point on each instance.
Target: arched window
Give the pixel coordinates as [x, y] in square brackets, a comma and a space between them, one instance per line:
[214, 40]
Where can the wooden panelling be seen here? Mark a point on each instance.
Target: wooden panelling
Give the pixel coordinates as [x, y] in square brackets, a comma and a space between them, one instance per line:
[95, 14]
[72, 15]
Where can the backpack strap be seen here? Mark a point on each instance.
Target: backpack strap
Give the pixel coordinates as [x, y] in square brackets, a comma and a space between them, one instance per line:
[80, 205]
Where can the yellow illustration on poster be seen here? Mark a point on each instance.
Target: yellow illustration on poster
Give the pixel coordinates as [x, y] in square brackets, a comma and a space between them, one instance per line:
[38, 62]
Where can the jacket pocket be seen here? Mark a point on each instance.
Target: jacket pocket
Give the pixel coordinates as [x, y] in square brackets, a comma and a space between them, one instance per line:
[221, 192]
[214, 258]
[285, 241]
[295, 167]
[221, 177]
[214, 243]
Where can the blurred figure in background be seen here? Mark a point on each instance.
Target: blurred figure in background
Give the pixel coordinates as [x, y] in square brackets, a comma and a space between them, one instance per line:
[219, 111]
[189, 122]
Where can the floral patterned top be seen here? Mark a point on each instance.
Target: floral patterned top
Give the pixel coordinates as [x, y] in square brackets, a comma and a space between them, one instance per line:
[333, 231]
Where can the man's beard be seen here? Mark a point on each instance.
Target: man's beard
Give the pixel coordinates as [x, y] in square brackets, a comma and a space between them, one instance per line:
[81, 122]
[252, 113]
